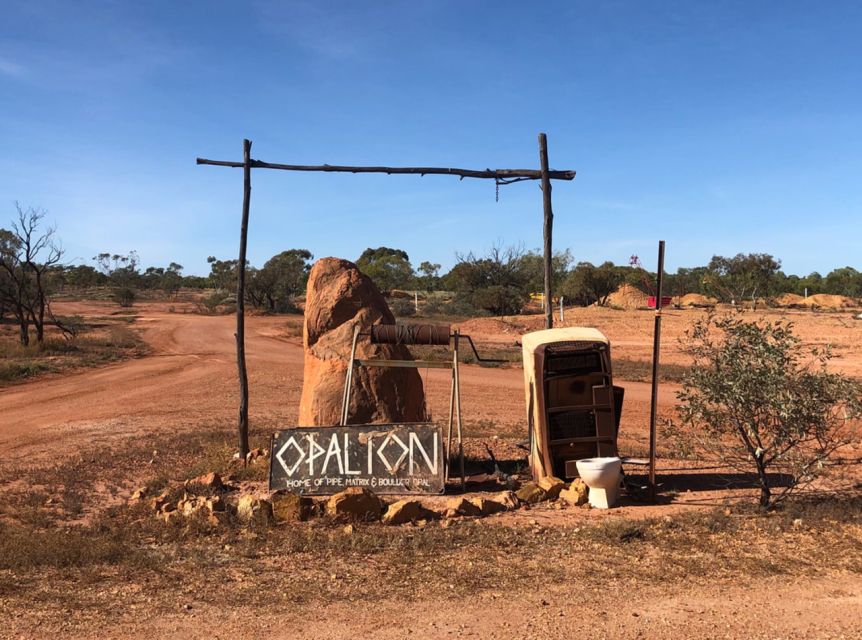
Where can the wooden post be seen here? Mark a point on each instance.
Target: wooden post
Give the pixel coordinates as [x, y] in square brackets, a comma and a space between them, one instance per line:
[548, 229]
[242, 425]
[655, 358]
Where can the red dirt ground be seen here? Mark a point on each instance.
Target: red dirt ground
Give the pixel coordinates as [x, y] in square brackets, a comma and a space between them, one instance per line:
[189, 381]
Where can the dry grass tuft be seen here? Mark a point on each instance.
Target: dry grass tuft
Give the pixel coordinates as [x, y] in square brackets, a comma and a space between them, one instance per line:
[92, 347]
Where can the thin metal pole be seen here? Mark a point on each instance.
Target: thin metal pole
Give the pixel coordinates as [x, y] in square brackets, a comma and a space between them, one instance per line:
[451, 418]
[457, 335]
[348, 378]
[655, 359]
[548, 229]
[242, 423]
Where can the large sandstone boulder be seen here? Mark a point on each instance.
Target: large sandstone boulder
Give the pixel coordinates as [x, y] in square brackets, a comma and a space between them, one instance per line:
[340, 297]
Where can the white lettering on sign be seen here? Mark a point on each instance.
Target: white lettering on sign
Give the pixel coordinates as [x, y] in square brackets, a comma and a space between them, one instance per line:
[391, 437]
[334, 449]
[347, 470]
[416, 445]
[314, 452]
[338, 452]
[290, 442]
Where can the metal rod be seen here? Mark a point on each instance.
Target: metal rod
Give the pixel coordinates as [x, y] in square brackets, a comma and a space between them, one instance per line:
[655, 360]
[548, 229]
[406, 364]
[458, 413]
[476, 353]
[348, 379]
[451, 420]
[492, 174]
[242, 420]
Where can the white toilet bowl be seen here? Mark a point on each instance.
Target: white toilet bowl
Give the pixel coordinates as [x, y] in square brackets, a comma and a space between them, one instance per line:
[602, 477]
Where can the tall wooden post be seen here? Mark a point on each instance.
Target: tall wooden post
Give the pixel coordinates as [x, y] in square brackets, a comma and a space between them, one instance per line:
[242, 423]
[656, 346]
[548, 230]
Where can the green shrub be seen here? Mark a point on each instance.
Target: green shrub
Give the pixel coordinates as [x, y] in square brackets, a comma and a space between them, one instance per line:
[757, 399]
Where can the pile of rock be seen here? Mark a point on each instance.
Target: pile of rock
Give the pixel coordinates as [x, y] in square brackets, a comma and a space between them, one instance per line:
[550, 489]
[214, 500]
[202, 497]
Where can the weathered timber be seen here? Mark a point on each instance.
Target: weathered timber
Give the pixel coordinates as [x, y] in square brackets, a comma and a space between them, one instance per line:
[548, 230]
[492, 174]
[242, 423]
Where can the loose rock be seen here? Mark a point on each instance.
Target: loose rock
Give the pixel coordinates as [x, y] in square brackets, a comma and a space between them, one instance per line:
[460, 506]
[576, 494]
[210, 480]
[531, 493]
[190, 505]
[355, 503]
[254, 454]
[487, 506]
[404, 511]
[291, 507]
[508, 499]
[552, 486]
[254, 510]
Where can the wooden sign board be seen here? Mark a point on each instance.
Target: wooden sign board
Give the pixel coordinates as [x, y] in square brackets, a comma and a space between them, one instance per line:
[384, 458]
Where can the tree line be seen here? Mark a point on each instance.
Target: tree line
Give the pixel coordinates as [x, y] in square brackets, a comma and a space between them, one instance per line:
[500, 281]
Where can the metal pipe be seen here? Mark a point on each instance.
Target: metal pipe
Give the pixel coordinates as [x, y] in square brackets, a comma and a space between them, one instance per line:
[458, 413]
[348, 380]
[427, 334]
[451, 419]
[655, 359]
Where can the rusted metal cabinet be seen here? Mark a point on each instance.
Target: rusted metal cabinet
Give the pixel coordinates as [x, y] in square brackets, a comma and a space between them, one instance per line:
[573, 407]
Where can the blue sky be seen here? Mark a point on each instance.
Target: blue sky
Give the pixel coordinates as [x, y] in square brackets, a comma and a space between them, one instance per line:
[719, 127]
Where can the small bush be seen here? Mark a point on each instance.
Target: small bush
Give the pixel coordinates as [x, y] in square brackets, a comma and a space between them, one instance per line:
[124, 296]
[402, 307]
[218, 302]
[755, 397]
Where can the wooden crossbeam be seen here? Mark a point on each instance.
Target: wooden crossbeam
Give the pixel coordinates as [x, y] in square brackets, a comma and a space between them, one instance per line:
[492, 174]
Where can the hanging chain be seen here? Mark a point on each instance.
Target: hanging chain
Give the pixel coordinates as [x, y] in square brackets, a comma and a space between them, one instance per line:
[504, 181]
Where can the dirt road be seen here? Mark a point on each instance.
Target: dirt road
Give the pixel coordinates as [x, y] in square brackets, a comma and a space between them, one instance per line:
[189, 380]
